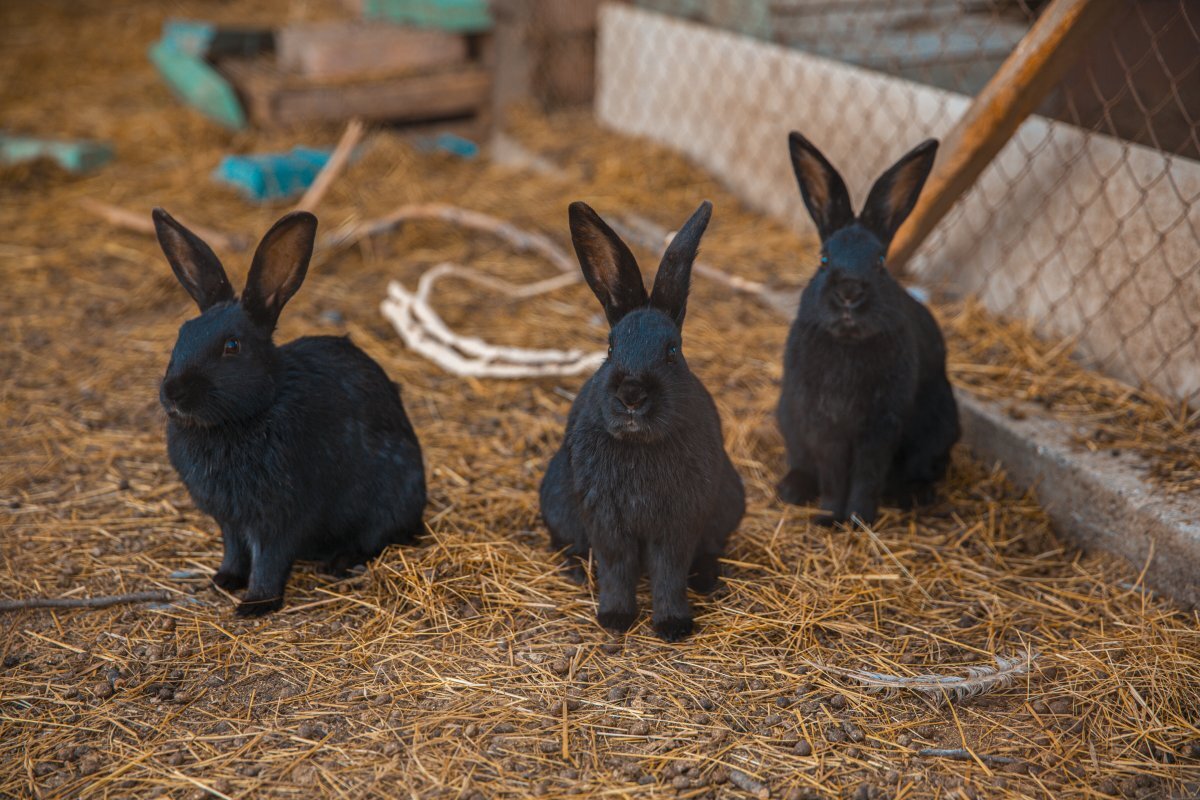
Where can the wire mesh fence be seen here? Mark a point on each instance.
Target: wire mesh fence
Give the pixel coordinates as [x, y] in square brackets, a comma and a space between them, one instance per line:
[1086, 225]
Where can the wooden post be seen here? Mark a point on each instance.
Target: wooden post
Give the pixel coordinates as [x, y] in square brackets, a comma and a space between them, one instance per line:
[512, 67]
[1023, 80]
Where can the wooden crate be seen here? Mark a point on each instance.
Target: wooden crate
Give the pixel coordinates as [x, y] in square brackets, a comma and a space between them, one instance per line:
[277, 98]
[335, 51]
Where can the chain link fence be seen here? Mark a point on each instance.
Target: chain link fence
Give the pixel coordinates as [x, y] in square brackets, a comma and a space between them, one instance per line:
[1087, 224]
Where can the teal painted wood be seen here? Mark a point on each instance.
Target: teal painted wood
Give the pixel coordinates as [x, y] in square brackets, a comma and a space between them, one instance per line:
[80, 155]
[189, 36]
[205, 40]
[272, 176]
[461, 16]
[198, 84]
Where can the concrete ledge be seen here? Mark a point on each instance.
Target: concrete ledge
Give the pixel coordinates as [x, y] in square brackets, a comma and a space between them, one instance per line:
[1099, 500]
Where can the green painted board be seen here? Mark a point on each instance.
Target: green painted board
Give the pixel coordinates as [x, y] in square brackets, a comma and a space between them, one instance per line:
[460, 16]
[79, 155]
[198, 85]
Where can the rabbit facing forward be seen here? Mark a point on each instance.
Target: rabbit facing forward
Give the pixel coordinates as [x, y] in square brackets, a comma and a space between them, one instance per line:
[866, 410]
[642, 480]
[301, 451]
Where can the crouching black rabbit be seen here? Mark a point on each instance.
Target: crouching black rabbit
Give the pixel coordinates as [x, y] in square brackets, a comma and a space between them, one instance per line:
[642, 478]
[866, 411]
[299, 452]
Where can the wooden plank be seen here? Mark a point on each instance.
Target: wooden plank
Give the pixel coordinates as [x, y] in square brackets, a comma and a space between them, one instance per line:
[554, 17]
[275, 98]
[340, 50]
[1026, 77]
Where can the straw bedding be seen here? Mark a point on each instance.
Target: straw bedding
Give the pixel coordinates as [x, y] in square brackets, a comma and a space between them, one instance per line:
[467, 667]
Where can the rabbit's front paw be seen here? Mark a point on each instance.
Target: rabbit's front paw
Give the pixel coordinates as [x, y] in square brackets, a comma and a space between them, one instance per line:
[574, 571]
[229, 581]
[673, 629]
[797, 488]
[619, 621]
[258, 608]
[706, 575]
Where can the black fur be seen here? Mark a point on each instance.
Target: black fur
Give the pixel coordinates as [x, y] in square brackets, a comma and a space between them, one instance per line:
[299, 452]
[866, 411]
[642, 478]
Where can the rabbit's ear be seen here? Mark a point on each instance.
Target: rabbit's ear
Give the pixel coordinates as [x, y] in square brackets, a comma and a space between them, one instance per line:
[895, 194]
[279, 266]
[821, 186]
[193, 262]
[675, 271]
[609, 267]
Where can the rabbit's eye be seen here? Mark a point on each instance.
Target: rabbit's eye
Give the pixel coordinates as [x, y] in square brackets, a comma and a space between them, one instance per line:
[672, 351]
[824, 261]
[610, 351]
[232, 346]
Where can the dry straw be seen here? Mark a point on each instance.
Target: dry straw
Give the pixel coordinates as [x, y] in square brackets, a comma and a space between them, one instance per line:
[468, 667]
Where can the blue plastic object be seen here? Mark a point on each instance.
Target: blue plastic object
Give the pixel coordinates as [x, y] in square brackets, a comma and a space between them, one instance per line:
[272, 176]
[79, 155]
[450, 143]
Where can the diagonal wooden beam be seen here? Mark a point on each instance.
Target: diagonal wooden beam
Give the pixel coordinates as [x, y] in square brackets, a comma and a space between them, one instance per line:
[1035, 67]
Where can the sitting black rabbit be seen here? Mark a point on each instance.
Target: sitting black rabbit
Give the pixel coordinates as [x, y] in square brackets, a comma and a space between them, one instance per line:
[866, 410]
[642, 478]
[299, 452]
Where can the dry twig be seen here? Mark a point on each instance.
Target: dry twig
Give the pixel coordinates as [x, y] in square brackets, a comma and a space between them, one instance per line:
[333, 167]
[954, 687]
[960, 754]
[156, 596]
[522, 241]
[141, 223]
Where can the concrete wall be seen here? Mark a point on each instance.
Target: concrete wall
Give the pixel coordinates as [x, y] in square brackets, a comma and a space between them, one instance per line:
[1082, 234]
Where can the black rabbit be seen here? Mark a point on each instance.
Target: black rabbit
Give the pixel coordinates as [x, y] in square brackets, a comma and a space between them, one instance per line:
[642, 478]
[299, 452]
[866, 411]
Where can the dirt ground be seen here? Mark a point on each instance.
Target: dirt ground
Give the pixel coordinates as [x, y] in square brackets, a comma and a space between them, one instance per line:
[467, 666]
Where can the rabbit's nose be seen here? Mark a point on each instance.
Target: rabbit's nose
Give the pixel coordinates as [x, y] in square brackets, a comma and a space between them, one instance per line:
[184, 389]
[632, 395]
[851, 295]
[173, 389]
